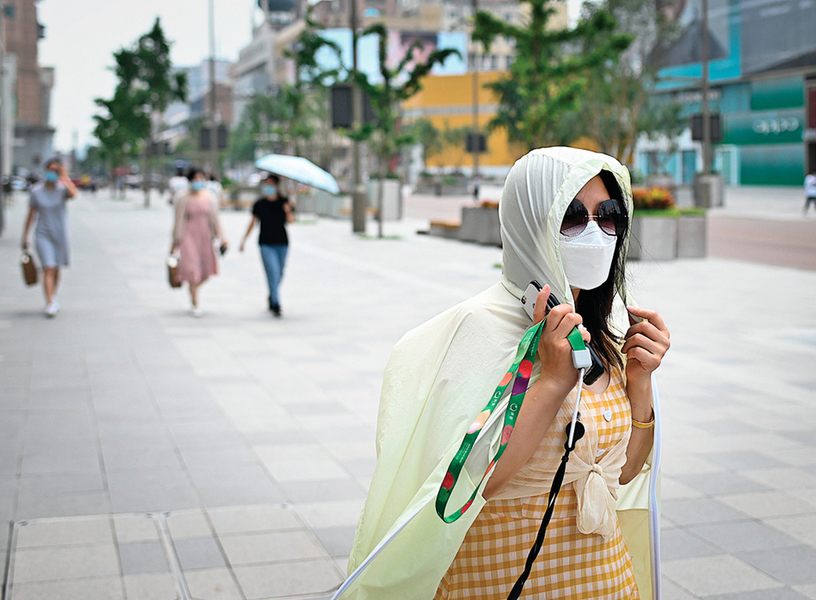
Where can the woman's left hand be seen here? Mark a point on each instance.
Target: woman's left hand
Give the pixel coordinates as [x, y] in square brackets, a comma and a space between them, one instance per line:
[645, 344]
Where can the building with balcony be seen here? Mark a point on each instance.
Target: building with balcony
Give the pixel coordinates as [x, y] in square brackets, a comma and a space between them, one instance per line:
[31, 93]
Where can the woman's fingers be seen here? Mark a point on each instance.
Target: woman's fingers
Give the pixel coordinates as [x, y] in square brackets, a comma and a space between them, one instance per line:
[540, 310]
[564, 320]
[647, 361]
[642, 341]
[651, 316]
[646, 342]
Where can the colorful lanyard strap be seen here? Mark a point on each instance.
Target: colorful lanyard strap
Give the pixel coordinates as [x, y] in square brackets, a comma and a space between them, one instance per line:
[521, 369]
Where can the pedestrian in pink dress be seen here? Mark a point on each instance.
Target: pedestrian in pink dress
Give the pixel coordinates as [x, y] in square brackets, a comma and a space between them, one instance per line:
[196, 227]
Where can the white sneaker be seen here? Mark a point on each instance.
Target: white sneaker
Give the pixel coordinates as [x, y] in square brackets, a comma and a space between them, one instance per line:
[52, 309]
[196, 312]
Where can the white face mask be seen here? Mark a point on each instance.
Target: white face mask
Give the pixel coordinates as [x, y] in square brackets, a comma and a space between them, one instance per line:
[587, 257]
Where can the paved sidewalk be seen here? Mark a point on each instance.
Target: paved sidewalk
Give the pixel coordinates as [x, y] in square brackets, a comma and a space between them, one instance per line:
[145, 454]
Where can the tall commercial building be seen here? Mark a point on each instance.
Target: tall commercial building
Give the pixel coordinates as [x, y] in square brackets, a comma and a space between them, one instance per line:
[33, 136]
[763, 86]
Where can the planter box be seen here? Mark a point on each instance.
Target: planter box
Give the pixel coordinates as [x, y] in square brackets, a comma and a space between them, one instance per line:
[692, 236]
[709, 190]
[392, 198]
[307, 203]
[668, 237]
[336, 207]
[480, 225]
[653, 238]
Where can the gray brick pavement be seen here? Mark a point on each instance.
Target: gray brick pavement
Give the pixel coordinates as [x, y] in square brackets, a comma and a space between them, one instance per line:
[250, 440]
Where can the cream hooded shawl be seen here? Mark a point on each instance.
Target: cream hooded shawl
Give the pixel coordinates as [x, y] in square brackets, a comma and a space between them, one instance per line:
[441, 375]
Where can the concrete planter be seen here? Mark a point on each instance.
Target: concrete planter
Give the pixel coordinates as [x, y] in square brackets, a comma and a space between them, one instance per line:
[709, 190]
[692, 236]
[656, 237]
[392, 198]
[653, 238]
[481, 225]
[307, 203]
[327, 205]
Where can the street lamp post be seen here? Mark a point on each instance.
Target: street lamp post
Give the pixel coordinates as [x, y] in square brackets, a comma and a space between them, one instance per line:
[704, 89]
[474, 136]
[358, 199]
[3, 123]
[213, 106]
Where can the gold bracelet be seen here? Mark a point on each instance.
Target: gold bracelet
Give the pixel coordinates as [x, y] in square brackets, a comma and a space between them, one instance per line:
[641, 425]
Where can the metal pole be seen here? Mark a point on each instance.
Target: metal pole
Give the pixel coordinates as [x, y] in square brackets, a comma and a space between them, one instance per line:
[358, 199]
[3, 123]
[704, 88]
[475, 83]
[213, 104]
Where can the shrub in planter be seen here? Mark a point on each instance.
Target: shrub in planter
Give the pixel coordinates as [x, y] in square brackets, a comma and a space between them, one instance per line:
[654, 198]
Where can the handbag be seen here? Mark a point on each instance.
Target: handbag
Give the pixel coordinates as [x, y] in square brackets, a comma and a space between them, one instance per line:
[29, 268]
[173, 271]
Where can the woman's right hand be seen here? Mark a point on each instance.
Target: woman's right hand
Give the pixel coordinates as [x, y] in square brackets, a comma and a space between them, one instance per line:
[554, 350]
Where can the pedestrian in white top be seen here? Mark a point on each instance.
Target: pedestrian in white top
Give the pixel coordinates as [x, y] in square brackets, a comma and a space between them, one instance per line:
[810, 190]
[215, 187]
[178, 186]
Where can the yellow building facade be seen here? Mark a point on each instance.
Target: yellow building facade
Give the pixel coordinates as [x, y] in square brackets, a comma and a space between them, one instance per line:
[447, 102]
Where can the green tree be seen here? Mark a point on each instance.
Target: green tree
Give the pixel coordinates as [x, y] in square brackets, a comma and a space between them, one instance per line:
[549, 75]
[306, 97]
[396, 85]
[424, 132]
[620, 107]
[296, 116]
[146, 86]
[116, 129]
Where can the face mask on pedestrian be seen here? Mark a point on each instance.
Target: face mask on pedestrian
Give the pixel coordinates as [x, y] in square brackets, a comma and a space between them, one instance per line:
[587, 257]
[197, 185]
[51, 176]
[270, 190]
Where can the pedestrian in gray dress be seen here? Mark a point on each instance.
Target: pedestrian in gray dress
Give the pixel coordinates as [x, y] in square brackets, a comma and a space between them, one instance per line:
[47, 205]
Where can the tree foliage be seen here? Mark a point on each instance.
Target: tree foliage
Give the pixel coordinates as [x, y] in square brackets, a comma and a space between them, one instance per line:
[552, 70]
[146, 86]
[395, 85]
[306, 97]
[621, 107]
[290, 119]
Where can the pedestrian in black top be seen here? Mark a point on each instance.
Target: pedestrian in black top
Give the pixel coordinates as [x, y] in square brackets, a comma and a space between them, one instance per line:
[273, 211]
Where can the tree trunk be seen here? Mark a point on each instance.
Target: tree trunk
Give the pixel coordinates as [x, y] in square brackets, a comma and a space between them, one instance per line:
[380, 194]
[146, 174]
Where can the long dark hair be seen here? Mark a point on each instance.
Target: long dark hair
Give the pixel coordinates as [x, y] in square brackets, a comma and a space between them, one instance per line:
[595, 306]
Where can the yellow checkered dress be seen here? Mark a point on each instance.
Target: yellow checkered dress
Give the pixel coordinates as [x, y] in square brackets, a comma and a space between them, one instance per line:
[571, 564]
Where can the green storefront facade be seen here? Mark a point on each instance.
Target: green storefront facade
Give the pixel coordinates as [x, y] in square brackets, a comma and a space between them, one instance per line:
[763, 86]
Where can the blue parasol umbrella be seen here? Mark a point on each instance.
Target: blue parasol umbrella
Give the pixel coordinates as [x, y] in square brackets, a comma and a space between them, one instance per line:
[300, 170]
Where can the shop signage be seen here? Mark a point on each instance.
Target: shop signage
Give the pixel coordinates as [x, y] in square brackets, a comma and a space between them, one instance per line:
[771, 126]
[766, 127]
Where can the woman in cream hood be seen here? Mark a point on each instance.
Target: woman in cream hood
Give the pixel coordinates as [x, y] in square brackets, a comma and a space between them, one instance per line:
[441, 375]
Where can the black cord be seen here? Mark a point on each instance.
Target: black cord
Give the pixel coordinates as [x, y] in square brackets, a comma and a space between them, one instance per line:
[558, 480]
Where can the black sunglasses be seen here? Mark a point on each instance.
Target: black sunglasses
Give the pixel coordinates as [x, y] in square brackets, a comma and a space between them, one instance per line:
[611, 218]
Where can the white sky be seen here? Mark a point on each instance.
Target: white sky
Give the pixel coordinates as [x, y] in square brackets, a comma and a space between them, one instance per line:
[81, 36]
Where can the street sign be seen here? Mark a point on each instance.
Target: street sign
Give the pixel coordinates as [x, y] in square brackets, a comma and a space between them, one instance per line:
[697, 128]
[481, 144]
[341, 107]
[205, 138]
